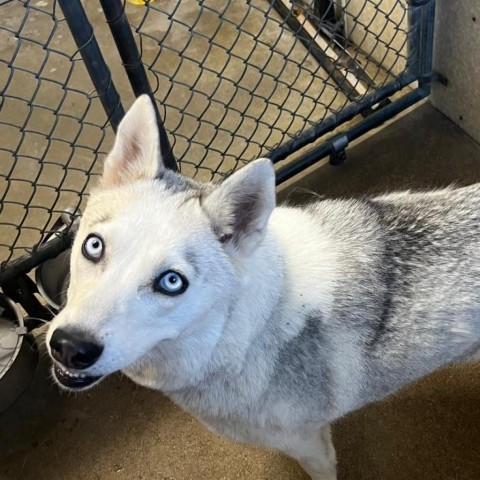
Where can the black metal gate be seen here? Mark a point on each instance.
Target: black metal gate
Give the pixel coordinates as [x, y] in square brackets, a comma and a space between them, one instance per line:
[294, 81]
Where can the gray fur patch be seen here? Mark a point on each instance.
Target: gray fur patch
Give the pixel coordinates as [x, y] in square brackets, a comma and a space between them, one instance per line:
[177, 183]
[302, 367]
[192, 260]
[389, 278]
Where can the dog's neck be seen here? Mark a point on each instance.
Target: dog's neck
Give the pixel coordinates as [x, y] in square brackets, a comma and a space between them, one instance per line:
[258, 299]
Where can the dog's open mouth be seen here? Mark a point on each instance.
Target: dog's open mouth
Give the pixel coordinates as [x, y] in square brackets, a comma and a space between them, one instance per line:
[74, 380]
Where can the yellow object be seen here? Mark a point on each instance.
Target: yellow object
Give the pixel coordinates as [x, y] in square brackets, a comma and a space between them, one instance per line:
[139, 2]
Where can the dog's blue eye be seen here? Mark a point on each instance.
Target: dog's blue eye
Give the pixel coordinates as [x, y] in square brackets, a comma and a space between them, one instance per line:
[170, 283]
[92, 248]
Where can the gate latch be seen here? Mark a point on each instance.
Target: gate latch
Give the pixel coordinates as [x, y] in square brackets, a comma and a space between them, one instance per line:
[339, 155]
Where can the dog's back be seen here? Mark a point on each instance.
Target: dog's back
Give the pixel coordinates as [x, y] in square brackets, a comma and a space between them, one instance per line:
[430, 279]
[410, 281]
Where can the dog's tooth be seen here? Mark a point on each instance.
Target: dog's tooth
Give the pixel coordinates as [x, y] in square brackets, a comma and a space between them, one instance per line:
[71, 374]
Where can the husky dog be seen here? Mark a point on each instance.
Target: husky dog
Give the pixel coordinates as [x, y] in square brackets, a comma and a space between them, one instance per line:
[266, 323]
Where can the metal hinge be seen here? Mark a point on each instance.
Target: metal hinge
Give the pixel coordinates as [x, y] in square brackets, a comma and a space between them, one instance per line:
[339, 155]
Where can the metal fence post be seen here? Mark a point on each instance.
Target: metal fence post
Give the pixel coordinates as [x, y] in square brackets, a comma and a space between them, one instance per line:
[82, 32]
[114, 11]
[426, 59]
[420, 45]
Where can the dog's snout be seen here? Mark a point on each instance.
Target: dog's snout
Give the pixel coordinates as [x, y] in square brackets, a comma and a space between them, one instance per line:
[74, 350]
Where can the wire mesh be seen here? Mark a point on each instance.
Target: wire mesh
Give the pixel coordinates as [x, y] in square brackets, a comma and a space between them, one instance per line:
[233, 80]
[52, 127]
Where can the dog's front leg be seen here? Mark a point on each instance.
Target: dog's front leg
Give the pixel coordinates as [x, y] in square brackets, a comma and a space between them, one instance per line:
[315, 453]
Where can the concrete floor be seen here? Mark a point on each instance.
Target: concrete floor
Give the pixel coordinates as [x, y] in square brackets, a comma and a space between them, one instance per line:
[120, 431]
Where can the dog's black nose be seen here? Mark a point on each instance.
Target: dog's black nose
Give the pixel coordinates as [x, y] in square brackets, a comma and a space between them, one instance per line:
[74, 349]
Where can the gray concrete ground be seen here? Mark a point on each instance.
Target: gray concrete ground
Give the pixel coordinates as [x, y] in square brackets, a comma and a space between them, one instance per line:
[120, 431]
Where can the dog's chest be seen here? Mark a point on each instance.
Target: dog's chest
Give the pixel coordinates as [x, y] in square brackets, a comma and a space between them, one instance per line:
[237, 417]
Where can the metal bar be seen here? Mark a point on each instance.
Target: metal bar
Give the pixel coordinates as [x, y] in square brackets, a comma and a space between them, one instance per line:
[97, 68]
[54, 247]
[43, 252]
[414, 38]
[333, 121]
[426, 42]
[420, 41]
[114, 11]
[22, 290]
[331, 56]
[367, 124]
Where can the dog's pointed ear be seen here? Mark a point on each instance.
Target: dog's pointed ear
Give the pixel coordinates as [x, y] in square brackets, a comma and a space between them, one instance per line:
[240, 207]
[136, 151]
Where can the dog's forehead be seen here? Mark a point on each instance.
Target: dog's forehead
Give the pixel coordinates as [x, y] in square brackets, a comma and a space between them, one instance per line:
[177, 183]
[159, 220]
[156, 199]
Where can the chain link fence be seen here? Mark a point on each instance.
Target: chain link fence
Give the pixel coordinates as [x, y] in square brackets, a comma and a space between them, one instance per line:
[233, 80]
[52, 126]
